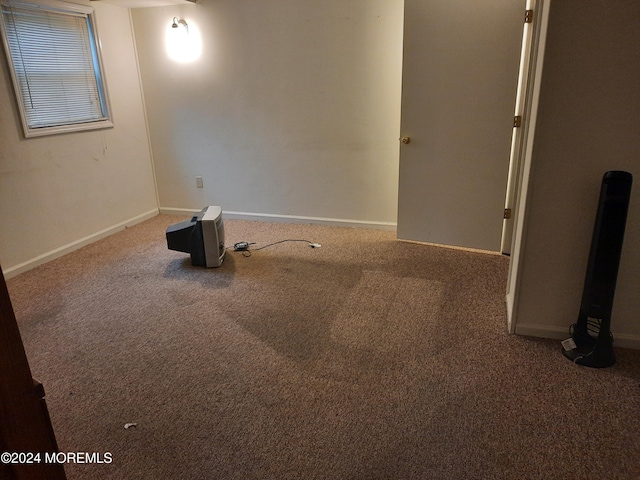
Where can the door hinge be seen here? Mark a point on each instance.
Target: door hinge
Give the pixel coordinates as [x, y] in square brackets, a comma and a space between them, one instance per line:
[507, 213]
[517, 121]
[528, 16]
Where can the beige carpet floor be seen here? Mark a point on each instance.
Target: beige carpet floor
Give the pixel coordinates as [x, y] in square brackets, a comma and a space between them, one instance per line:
[367, 358]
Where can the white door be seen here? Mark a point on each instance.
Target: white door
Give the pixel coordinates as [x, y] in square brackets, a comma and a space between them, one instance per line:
[518, 138]
[460, 72]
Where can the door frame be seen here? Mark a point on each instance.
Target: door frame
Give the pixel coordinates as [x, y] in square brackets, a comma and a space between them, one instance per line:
[521, 185]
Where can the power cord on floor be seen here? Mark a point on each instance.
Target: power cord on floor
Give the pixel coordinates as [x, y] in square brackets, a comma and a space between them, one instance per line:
[242, 246]
[246, 251]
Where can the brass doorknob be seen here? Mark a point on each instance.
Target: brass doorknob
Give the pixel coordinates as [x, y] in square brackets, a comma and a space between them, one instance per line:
[405, 140]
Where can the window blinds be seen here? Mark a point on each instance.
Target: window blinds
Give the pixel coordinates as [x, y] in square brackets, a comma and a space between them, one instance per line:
[55, 64]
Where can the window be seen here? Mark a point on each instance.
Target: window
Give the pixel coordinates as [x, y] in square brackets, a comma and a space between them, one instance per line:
[55, 63]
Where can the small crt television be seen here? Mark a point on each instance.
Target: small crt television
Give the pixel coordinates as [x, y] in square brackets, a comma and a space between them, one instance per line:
[202, 237]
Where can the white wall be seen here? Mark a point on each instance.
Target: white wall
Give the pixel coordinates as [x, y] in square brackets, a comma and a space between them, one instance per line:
[293, 108]
[57, 192]
[587, 124]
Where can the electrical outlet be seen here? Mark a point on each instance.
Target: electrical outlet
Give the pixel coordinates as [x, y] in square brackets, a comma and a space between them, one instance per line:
[199, 182]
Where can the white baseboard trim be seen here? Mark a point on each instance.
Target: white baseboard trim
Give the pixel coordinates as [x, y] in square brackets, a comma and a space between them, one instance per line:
[623, 340]
[453, 247]
[268, 217]
[70, 247]
[183, 212]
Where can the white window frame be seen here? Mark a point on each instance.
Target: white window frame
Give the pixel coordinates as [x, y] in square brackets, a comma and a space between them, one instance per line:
[59, 7]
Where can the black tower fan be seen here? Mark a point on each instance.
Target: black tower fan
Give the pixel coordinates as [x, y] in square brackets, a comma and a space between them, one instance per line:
[591, 342]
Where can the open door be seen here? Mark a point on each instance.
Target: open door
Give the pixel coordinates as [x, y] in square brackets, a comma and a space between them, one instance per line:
[520, 126]
[460, 74]
[25, 426]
